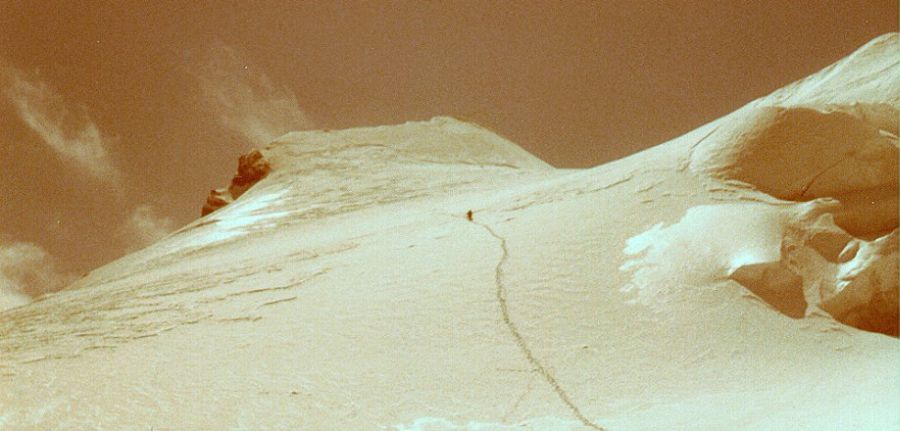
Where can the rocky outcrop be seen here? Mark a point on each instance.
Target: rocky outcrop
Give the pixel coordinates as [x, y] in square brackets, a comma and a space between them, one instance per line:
[252, 167]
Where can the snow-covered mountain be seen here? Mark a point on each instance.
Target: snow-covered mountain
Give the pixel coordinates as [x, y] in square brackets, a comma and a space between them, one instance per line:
[742, 276]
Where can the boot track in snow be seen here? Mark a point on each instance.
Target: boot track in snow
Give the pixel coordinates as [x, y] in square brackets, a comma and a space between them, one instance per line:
[520, 341]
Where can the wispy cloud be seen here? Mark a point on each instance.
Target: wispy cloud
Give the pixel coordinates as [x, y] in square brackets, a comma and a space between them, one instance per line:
[68, 131]
[26, 272]
[145, 226]
[245, 100]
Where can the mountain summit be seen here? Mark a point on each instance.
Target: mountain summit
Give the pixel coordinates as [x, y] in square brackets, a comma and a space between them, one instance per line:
[379, 164]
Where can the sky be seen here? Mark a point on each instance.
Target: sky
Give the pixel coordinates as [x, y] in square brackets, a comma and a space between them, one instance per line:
[117, 118]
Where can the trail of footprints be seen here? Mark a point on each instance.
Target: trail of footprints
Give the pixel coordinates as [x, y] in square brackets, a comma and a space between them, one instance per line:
[520, 341]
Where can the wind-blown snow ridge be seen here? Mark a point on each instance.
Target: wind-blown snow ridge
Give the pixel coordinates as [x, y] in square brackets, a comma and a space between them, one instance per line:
[441, 140]
[400, 154]
[801, 153]
[868, 75]
[320, 173]
[842, 158]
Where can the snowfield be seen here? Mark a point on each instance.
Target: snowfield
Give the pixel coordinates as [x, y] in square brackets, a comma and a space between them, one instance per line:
[742, 276]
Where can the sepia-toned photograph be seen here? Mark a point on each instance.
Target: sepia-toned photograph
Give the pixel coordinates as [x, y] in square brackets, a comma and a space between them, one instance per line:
[460, 215]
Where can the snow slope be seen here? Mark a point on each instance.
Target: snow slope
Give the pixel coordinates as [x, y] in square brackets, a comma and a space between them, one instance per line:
[717, 281]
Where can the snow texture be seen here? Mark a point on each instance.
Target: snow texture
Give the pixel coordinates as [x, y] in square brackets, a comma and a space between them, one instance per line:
[742, 276]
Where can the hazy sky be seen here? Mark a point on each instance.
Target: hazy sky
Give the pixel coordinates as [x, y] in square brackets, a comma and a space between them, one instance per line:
[116, 118]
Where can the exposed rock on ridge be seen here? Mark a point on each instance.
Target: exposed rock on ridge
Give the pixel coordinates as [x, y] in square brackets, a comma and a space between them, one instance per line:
[252, 167]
